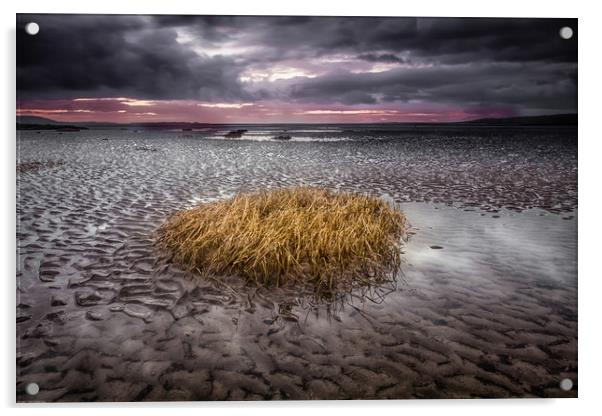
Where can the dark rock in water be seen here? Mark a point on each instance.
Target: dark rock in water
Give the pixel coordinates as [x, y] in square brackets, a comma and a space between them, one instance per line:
[68, 129]
[437, 247]
[235, 134]
[282, 137]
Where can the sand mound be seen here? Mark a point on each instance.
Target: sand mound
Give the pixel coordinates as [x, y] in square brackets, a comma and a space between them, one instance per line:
[299, 234]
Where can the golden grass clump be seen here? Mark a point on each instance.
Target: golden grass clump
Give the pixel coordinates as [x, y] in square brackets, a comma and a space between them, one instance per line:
[311, 235]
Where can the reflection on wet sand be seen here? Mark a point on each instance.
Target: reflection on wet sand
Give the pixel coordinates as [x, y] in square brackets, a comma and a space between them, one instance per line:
[486, 305]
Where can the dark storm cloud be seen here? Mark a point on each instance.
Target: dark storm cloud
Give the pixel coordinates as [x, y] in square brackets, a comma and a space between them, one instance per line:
[464, 61]
[437, 38]
[75, 55]
[544, 86]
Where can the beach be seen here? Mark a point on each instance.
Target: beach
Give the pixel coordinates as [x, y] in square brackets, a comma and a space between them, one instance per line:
[485, 304]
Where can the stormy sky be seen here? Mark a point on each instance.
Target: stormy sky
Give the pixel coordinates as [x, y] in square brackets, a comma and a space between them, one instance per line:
[227, 69]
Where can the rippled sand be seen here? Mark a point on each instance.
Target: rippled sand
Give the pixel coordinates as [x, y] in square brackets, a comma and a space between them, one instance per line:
[486, 305]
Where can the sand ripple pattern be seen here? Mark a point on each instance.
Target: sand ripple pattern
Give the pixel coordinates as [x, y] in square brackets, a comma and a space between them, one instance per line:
[491, 311]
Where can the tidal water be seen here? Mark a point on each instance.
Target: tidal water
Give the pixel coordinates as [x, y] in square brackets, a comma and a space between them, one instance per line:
[485, 304]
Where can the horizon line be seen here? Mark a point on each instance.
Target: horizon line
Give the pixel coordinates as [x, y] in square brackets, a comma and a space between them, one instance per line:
[315, 123]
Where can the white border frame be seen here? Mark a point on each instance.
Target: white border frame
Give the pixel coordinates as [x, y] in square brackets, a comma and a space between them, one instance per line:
[590, 288]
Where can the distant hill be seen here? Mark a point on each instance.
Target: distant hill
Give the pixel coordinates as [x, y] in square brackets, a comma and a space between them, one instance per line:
[43, 123]
[57, 127]
[35, 120]
[549, 120]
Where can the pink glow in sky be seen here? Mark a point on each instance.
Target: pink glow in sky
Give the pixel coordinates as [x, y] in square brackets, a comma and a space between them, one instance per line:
[130, 110]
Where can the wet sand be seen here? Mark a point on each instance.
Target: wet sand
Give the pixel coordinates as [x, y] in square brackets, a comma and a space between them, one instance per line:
[486, 305]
